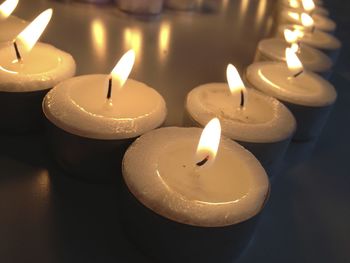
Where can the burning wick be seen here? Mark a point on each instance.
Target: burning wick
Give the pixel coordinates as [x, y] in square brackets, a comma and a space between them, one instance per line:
[18, 55]
[109, 92]
[203, 162]
[242, 99]
[298, 74]
[235, 83]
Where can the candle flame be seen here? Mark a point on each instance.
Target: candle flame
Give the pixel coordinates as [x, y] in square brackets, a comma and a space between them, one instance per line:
[209, 142]
[295, 47]
[122, 69]
[7, 7]
[294, 3]
[308, 5]
[293, 62]
[290, 36]
[294, 15]
[307, 20]
[30, 35]
[234, 80]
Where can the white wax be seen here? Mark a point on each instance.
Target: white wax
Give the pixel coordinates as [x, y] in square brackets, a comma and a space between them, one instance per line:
[320, 22]
[159, 170]
[10, 28]
[317, 39]
[41, 69]
[263, 119]
[79, 106]
[311, 58]
[275, 79]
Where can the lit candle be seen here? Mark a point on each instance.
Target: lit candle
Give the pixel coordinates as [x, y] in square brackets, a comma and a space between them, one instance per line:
[297, 6]
[181, 4]
[27, 71]
[312, 59]
[92, 118]
[147, 7]
[314, 38]
[258, 122]
[181, 196]
[320, 22]
[10, 26]
[308, 96]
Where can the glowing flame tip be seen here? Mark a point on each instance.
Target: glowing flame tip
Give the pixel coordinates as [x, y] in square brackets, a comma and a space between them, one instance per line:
[30, 35]
[209, 142]
[308, 5]
[234, 79]
[123, 68]
[7, 7]
[293, 62]
[307, 20]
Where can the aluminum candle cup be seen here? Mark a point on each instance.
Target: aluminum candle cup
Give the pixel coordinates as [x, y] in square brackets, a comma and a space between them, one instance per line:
[146, 7]
[181, 4]
[10, 28]
[177, 212]
[308, 96]
[323, 41]
[87, 133]
[264, 126]
[273, 49]
[23, 85]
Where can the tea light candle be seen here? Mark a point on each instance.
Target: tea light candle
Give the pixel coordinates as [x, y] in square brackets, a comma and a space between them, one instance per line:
[297, 6]
[11, 26]
[273, 49]
[92, 118]
[151, 7]
[320, 22]
[179, 189]
[27, 72]
[308, 96]
[316, 39]
[260, 123]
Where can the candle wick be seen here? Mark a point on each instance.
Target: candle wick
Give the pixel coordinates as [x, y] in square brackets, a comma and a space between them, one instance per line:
[242, 99]
[298, 74]
[109, 92]
[203, 162]
[18, 55]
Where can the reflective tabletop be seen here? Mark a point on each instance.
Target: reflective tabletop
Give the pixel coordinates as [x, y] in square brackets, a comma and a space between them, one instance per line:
[47, 216]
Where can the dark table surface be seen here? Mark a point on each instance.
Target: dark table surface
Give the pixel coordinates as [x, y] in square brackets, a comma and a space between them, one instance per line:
[47, 216]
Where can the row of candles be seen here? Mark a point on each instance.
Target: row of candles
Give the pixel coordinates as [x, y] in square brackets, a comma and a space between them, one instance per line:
[182, 200]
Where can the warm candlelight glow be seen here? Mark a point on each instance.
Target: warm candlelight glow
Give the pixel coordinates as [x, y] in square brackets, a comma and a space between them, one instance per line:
[121, 71]
[294, 15]
[290, 36]
[295, 47]
[30, 35]
[133, 40]
[235, 83]
[294, 3]
[307, 20]
[308, 5]
[99, 37]
[293, 62]
[164, 39]
[209, 143]
[6, 8]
